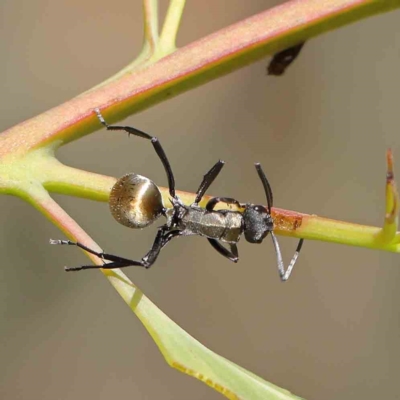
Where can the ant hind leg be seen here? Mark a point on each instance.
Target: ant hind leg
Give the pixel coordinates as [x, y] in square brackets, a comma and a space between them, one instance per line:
[154, 141]
[116, 261]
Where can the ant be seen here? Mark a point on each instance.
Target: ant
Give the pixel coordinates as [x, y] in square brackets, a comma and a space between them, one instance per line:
[136, 202]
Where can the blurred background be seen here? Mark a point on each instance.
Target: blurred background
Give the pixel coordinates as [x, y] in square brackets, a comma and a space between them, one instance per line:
[321, 133]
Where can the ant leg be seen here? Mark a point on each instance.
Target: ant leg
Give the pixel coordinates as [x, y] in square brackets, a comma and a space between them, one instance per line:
[170, 235]
[162, 238]
[154, 141]
[215, 200]
[281, 268]
[208, 179]
[267, 187]
[232, 255]
[117, 262]
[159, 242]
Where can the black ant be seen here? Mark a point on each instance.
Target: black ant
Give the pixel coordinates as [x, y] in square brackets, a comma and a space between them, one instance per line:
[136, 202]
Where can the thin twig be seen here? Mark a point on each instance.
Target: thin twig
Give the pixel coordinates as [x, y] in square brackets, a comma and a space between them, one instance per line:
[390, 224]
[150, 11]
[171, 26]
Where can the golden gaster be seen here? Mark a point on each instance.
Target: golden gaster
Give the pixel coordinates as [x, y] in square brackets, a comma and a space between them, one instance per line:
[135, 201]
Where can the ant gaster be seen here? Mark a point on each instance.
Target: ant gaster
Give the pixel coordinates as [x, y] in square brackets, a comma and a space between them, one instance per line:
[136, 202]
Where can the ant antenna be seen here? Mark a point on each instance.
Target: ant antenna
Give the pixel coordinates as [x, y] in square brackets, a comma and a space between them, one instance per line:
[281, 267]
[267, 187]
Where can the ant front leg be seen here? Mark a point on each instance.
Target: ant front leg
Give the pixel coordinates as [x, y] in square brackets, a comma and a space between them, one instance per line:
[281, 267]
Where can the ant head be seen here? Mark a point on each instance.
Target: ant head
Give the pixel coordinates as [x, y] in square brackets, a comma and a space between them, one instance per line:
[135, 201]
[257, 223]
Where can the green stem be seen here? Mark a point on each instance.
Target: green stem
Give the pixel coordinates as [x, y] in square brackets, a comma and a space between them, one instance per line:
[193, 65]
[171, 26]
[328, 230]
[60, 178]
[150, 11]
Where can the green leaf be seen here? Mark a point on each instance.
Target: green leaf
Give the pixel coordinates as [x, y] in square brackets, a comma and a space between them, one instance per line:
[189, 356]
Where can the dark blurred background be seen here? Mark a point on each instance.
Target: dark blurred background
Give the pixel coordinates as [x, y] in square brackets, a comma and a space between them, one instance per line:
[321, 133]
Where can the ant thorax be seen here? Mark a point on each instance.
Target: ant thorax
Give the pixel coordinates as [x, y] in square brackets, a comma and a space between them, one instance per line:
[223, 225]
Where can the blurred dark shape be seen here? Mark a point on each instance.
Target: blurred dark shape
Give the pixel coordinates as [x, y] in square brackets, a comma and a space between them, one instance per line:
[280, 61]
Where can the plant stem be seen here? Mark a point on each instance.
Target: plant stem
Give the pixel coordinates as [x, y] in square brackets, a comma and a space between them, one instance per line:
[171, 26]
[150, 11]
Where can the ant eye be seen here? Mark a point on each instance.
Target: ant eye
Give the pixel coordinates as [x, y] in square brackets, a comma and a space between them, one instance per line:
[135, 201]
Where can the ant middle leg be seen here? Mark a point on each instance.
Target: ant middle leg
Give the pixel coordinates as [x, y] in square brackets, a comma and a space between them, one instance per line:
[154, 141]
[232, 255]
